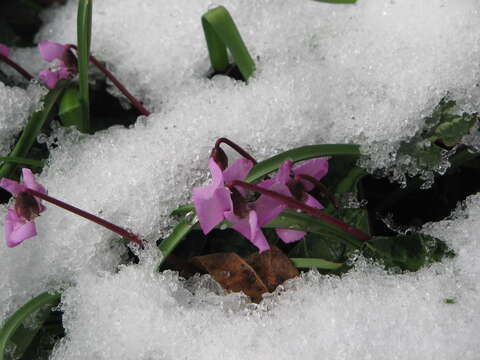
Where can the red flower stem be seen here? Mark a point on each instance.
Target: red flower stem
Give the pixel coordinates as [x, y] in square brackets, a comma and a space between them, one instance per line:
[236, 147]
[322, 188]
[17, 67]
[137, 104]
[112, 227]
[307, 209]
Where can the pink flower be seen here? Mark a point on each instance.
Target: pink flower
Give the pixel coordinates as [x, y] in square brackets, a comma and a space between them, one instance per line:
[286, 183]
[212, 201]
[19, 223]
[65, 66]
[4, 50]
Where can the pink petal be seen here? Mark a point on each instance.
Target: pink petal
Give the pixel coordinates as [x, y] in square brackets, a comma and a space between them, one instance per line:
[311, 201]
[289, 236]
[17, 229]
[316, 168]
[50, 78]
[30, 182]
[4, 50]
[268, 208]
[249, 228]
[212, 201]
[283, 175]
[51, 50]
[238, 170]
[12, 186]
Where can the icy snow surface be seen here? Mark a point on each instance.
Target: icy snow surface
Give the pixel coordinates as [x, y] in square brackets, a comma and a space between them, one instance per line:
[367, 314]
[325, 73]
[16, 106]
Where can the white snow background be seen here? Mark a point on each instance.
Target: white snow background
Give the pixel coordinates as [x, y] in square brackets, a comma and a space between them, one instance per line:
[364, 73]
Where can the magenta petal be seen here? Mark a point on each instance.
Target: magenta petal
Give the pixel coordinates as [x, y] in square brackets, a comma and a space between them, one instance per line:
[11, 186]
[4, 50]
[238, 170]
[51, 50]
[30, 182]
[50, 78]
[268, 208]
[311, 201]
[289, 236]
[284, 171]
[217, 174]
[17, 229]
[249, 228]
[316, 168]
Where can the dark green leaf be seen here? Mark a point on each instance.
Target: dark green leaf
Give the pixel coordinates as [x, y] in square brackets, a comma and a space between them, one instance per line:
[43, 303]
[84, 31]
[70, 110]
[315, 263]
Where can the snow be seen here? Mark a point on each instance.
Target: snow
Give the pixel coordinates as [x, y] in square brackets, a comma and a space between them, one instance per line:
[326, 73]
[366, 314]
[17, 105]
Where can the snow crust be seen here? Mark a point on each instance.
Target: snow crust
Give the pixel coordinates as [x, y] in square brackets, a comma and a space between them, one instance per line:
[366, 314]
[16, 106]
[325, 73]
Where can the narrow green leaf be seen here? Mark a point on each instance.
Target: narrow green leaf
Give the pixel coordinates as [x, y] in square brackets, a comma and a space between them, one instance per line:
[21, 160]
[315, 263]
[222, 33]
[183, 210]
[299, 154]
[70, 110]
[32, 129]
[177, 235]
[84, 31]
[15, 321]
[298, 221]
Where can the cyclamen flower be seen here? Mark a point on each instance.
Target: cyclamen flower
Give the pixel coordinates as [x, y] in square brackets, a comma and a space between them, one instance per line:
[286, 183]
[19, 224]
[66, 63]
[4, 50]
[212, 201]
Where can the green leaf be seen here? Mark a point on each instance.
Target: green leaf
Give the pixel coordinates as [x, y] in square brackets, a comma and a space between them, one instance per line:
[84, 31]
[177, 235]
[183, 210]
[408, 252]
[43, 303]
[315, 263]
[24, 161]
[299, 154]
[222, 33]
[70, 110]
[452, 131]
[32, 129]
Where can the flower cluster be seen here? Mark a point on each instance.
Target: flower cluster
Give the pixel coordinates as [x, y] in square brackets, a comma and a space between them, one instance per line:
[66, 64]
[221, 200]
[19, 224]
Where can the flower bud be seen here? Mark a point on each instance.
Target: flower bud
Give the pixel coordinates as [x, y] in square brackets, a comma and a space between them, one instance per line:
[26, 206]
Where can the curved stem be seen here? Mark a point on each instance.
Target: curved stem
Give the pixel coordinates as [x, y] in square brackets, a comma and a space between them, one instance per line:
[236, 147]
[17, 67]
[112, 227]
[137, 104]
[307, 209]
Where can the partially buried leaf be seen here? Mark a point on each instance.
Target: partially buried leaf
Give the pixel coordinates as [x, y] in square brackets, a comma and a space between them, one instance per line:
[273, 267]
[233, 273]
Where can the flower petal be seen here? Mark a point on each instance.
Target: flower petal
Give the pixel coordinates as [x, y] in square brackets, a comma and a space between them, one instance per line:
[316, 168]
[268, 208]
[51, 50]
[17, 230]
[216, 171]
[238, 170]
[4, 50]
[30, 182]
[50, 78]
[311, 201]
[248, 227]
[12, 186]
[210, 204]
[289, 236]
